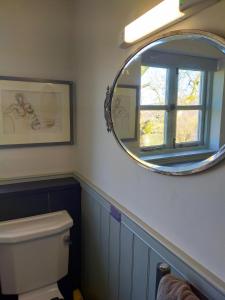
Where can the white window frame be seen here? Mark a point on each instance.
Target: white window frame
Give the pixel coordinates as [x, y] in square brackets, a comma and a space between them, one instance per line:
[171, 108]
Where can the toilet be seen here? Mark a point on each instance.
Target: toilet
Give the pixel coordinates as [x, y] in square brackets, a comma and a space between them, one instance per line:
[34, 255]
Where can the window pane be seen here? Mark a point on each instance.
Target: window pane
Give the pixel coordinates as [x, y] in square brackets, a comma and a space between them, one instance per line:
[153, 85]
[151, 128]
[187, 127]
[189, 87]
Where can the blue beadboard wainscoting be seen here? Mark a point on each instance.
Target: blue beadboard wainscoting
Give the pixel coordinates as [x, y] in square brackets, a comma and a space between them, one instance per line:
[120, 256]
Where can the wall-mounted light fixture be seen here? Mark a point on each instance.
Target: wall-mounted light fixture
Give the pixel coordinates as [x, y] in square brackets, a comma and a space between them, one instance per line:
[166, 13]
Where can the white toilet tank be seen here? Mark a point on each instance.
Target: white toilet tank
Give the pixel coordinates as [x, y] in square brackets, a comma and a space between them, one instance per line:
[34, 251]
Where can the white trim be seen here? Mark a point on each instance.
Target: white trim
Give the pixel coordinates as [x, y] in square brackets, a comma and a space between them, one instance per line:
[28, 178]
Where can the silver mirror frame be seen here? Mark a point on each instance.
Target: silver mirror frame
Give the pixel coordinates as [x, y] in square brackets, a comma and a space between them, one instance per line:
[197, 167]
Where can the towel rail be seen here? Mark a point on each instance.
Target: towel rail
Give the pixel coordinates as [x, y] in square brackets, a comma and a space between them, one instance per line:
[164, 269]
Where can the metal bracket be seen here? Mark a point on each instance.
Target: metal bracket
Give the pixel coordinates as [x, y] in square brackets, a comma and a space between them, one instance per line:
[115, 213]
[162, 269]
[186, 4]
[107, 109]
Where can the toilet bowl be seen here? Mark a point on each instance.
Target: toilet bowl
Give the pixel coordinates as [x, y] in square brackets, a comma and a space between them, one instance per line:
[34, 254]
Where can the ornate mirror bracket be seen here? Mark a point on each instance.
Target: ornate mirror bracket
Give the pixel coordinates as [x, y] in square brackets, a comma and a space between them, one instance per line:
[107, 109]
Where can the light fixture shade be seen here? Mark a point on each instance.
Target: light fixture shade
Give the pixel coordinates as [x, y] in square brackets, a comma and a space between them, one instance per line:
[166, 13]
[159, 16]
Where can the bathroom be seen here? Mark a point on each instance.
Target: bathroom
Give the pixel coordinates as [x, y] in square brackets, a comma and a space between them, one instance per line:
[80, 42]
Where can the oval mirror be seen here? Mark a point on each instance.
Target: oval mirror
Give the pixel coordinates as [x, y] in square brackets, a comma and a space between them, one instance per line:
[166, 107]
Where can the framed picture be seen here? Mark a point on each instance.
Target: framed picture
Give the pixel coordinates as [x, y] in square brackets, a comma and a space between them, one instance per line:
[35, 112]
[125, 112]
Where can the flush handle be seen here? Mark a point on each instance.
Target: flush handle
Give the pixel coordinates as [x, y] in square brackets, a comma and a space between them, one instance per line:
[67, 240]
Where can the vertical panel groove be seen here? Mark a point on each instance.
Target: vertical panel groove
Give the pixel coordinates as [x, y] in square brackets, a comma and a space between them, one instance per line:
[132, 269]
[148, 274]
[103, 254]
[102, 249]
[108, 257]
[114, 259]
[119, 263]
[100, 224]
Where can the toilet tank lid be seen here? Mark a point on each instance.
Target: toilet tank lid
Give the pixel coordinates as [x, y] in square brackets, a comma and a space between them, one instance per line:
[20, 230]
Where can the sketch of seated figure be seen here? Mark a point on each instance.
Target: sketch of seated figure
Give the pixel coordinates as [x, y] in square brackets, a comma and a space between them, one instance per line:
[121, 115]
[20, 115]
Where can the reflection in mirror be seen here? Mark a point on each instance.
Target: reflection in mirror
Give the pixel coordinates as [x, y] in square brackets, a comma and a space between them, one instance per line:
[168, 106]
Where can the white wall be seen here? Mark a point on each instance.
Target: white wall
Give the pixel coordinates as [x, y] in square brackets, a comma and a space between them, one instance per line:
[35, 40]
[189, 211]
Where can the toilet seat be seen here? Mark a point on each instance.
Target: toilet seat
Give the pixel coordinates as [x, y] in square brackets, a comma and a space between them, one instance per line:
[47, 293]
